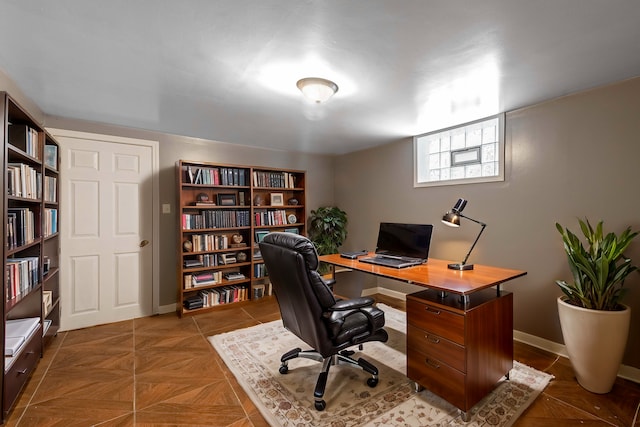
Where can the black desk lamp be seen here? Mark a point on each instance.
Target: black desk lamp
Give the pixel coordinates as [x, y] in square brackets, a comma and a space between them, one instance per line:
[452, 219]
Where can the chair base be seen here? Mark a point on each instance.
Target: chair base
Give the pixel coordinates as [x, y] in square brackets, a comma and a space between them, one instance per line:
[342, 358]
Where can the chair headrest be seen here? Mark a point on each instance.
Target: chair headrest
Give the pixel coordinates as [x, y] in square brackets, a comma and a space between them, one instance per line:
[297, 243]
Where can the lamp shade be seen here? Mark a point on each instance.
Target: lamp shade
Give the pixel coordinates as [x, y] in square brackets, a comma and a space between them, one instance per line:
[317, 89]
[451, 219]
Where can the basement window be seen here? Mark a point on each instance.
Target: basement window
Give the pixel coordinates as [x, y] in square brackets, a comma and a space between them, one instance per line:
[464, 154]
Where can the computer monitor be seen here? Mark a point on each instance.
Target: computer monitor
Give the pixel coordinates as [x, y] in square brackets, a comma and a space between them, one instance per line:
[404, 240]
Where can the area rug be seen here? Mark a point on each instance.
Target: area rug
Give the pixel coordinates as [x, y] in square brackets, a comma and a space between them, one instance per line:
[253, 355]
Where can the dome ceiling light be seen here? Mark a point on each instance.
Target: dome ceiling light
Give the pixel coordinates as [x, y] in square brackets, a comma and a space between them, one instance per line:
[317, 89]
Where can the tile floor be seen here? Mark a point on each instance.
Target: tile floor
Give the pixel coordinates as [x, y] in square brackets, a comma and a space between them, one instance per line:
[152, 371]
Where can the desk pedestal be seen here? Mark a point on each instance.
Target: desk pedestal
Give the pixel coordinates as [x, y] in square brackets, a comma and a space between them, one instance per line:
[459, 351]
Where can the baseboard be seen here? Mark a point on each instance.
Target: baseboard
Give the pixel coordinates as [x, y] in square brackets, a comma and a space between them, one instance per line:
[169, 308]
[384, 291]
[541, 343]
[627, 372]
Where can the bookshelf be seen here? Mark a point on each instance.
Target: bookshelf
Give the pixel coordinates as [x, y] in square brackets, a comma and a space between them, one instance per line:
[30, 253]
[51, 241]
[223, 212]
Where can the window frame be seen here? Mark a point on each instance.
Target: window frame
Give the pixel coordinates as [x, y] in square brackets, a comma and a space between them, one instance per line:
[501, 140]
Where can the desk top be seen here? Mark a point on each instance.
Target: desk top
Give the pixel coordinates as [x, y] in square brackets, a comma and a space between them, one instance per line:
[434, 274]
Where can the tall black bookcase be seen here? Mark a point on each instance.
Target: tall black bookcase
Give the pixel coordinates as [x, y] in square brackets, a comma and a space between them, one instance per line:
[30, 313]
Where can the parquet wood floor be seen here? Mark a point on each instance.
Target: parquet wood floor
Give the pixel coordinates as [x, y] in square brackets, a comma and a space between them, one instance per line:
[161, 370]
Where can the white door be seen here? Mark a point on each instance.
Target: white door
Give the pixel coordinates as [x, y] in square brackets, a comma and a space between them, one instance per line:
[108, 191]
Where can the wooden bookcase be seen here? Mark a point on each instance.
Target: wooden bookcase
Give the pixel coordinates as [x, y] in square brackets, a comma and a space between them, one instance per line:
[223, 212]
[31, 245]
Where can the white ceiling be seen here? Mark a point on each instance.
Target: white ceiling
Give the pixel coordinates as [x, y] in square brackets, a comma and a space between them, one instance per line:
[226, 70]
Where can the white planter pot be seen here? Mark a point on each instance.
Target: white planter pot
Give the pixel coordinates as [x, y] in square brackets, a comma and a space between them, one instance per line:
[595, 341]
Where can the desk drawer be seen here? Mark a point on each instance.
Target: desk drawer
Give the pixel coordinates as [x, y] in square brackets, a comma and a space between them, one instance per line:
[438, 377]
[437, 347]
[22, 369]
[434, 319]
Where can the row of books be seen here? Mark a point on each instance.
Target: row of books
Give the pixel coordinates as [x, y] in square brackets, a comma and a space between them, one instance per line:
[20, 227]
[50, 221]
[216, 176]
[50, 189]
[23, 181]
[25, 138]
[22, 276]
[260, 270]
[209, 242]
[262, 290]
[274, 179]
[216, 219]
[271, 217]
[212, 297]
[202, 279]
[210, 260]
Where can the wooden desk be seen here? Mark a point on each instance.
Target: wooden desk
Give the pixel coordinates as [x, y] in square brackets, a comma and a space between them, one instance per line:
[459, 330]
[434, 274]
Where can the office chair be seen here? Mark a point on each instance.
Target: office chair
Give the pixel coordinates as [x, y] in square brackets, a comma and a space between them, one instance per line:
[311, 312]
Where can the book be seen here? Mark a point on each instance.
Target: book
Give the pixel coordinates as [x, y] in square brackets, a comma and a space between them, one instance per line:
[258, 291]
[16, 328]
[234, 276]
[191, 263]
[193, 302]
[12, 345]
[51, 156]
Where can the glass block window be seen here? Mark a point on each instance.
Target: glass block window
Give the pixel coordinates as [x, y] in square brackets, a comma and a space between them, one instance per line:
[468, 153]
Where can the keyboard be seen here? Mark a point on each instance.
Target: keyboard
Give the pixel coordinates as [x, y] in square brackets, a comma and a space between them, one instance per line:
[392, 262]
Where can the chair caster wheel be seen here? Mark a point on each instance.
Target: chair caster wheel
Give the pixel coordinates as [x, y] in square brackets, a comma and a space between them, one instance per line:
[372, 382]
[284, 369]
[320, 405]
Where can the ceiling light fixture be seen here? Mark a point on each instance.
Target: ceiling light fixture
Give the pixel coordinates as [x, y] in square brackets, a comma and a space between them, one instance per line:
[317, 89]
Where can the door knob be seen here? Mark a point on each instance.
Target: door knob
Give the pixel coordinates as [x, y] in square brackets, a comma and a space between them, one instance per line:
[144, 243]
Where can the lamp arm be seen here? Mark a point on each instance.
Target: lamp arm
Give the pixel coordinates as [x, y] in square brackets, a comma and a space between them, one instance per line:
[477, 237]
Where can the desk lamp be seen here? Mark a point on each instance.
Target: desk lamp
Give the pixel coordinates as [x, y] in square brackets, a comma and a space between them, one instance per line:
[452, 219]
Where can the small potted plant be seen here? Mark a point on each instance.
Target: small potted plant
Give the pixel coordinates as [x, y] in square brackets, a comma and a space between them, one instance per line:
[327, 230]
[594, 321]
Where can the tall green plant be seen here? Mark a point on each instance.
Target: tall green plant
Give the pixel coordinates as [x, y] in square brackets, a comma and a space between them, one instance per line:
[599, 269]
[327, 229]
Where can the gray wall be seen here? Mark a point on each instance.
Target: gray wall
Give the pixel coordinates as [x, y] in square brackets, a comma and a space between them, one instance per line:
[575, 156]
[319, 178]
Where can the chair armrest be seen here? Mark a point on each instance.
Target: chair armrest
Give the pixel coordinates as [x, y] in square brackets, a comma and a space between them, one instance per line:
[352, 304]
[335, 315]
[329, 282]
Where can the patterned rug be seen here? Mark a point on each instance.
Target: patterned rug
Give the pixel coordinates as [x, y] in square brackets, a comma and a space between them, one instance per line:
[253, 355]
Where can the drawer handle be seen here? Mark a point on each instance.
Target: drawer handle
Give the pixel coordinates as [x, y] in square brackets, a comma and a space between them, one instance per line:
[432, 364]
[433, 311]
[22, 372]
[432, 339]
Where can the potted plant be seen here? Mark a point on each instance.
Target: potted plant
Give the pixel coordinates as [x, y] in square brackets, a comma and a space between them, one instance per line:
[327, 230]
[594, 321]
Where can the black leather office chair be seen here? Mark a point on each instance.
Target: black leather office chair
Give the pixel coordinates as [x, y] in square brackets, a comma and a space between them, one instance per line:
[310, 311]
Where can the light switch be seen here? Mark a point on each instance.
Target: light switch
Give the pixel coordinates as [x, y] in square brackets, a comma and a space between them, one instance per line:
[166, 208]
